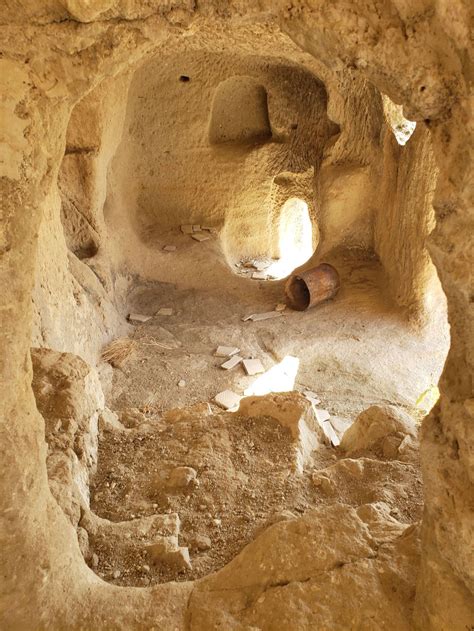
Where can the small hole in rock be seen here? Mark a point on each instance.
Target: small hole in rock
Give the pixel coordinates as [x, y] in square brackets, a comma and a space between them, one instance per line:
[184, 78]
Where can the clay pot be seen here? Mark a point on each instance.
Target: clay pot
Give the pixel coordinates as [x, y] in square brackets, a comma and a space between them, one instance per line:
[312, 287]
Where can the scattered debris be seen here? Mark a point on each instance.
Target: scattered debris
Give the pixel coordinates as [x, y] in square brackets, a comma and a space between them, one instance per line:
[138, 317]
[228, 400]
[117, 352]
[311, 396]
[226, 351]
[167, 553]
[200, 236]
[165, 311]
[131, 417]
[181, 383]
[232, 362]
[169, 248]
[200, 543]
[181, 478]
[255, 317]
[187, 229]
[253, 366]
[330, 434]
[321, 415]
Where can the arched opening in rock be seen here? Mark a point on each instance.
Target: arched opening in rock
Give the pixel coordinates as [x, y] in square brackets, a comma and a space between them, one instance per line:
[209, 190]
[190, 417]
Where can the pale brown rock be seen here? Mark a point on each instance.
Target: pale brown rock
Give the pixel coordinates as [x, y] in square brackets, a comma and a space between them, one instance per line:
[109, 111]
[388, 430]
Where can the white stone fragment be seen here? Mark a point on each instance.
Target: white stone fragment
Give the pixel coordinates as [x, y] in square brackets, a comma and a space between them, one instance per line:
[256, 317]
[311, 396]
[330, 433]
[200, 236]
[232, 362]
[228, 400]
[259, 275]
[321, 415]
[261, 265]
[187, 228]
[169, 248]
[248, 317]
[138, 317]
[181, 383]
[226, 351]
[253, 366]
[280, 306]
[165, 311]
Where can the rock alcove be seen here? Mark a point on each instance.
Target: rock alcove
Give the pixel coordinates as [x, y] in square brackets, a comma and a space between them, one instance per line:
[166, 170]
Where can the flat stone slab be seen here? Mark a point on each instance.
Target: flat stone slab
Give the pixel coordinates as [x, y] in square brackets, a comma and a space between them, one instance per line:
[253, 366]
[226, 351]
[262, 275]
[228, 400]
[200, 236]
[138, 317]
[234, 361]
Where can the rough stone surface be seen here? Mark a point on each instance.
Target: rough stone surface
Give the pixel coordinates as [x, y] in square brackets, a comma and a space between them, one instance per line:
[388, 431]
[78, 78]
[69, 396]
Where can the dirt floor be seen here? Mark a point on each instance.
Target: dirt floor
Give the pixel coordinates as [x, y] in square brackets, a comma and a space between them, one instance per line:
[244, 468]
[354, 351]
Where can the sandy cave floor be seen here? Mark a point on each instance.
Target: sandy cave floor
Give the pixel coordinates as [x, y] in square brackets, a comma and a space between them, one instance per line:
[245, 471]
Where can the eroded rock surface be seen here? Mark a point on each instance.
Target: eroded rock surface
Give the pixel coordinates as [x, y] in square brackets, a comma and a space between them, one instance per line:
[99, 72]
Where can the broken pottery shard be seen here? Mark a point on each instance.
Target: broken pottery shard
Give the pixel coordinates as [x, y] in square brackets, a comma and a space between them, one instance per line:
[259, 275]
[226, 351]
[256, 317]
[187, 229]
[228, 400]
[169, 248]
[253, 366]
[137, 317]
[200, 236]
[165, 311]
[232, 362]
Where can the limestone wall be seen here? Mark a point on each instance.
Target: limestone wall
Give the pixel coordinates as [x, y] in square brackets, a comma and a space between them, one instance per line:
[418, 54]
